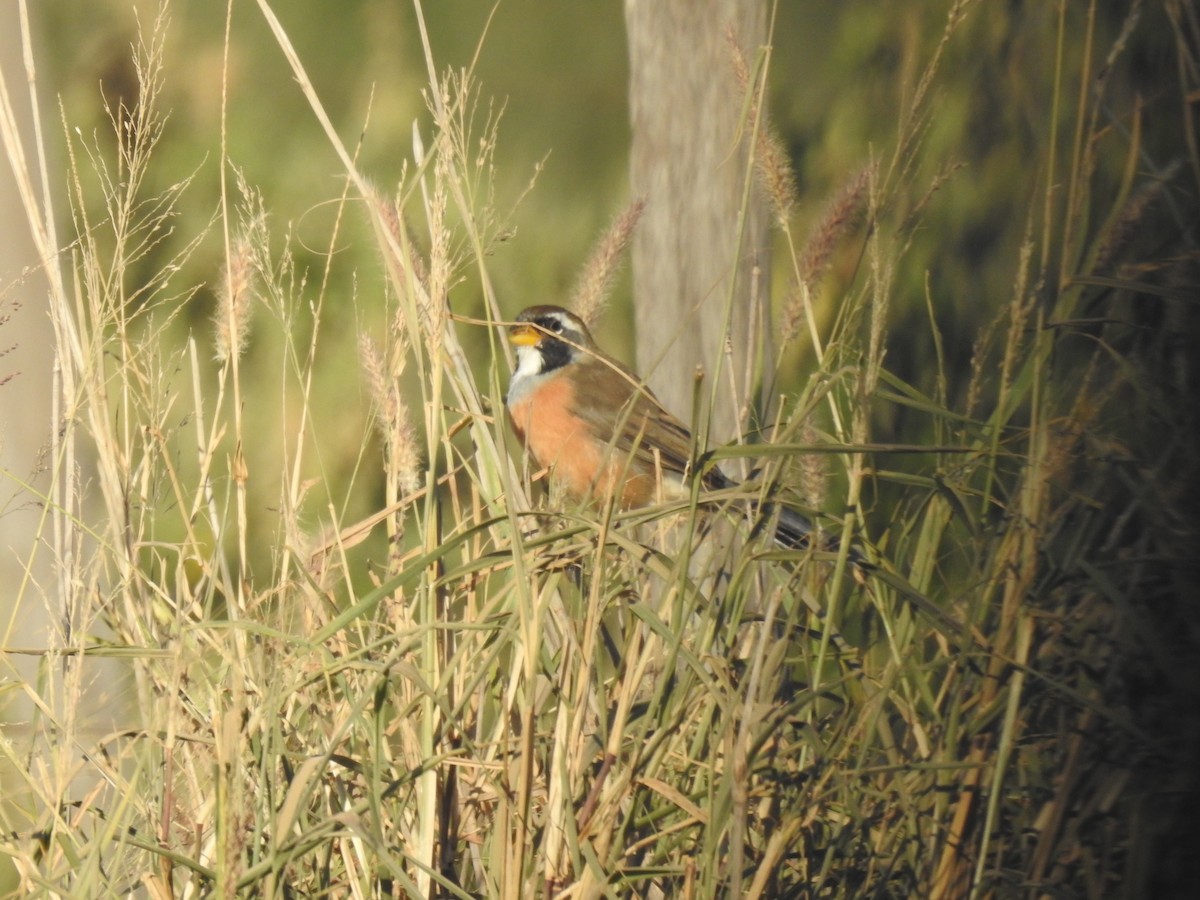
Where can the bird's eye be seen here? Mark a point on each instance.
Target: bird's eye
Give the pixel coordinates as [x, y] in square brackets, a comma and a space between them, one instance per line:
[553, 325]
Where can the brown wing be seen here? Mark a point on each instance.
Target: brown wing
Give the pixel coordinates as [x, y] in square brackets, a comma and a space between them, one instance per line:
[607, 393]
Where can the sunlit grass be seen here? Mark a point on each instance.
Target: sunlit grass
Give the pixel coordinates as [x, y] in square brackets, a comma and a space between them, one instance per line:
[479, 691]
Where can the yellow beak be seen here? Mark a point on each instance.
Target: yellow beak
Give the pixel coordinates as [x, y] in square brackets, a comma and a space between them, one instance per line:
[524, 335]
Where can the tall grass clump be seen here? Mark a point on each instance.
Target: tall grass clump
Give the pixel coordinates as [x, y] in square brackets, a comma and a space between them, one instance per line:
[979, 682]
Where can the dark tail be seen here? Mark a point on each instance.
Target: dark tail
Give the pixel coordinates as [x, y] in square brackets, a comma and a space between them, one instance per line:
[797, 532]
[793, 530]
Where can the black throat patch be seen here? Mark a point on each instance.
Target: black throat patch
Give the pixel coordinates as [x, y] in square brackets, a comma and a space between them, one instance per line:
[555, 354]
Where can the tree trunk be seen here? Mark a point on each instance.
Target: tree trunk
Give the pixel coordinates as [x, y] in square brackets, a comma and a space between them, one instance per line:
[695, 285]
[26, 355]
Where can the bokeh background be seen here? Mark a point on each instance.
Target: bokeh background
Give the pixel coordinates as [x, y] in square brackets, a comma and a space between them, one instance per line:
[554, 76]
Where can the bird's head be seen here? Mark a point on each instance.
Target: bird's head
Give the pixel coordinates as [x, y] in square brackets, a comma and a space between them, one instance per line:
[547, 338]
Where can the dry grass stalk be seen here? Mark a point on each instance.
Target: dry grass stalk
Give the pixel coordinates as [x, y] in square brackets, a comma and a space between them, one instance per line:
[401, 234]
[591, 293]
[772, 165]
[814, 469]
[8, 307]
[882, 274]
[441, 264]
[842, 215]
[1124, 227]
[981, 351]
[392, 418]
[232, 319]
[795, 311]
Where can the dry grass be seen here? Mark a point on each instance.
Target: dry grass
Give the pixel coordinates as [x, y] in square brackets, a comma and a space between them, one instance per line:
[524, 701]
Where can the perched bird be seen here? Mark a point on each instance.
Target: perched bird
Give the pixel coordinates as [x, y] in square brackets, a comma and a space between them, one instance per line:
[596, 425]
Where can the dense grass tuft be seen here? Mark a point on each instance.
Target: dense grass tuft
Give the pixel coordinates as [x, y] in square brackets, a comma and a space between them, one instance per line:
[476, 691]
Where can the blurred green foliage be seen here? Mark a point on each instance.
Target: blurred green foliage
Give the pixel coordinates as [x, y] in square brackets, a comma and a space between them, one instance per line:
[554, 79]
[842, 75]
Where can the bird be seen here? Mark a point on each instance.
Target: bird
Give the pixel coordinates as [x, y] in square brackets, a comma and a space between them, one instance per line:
[599, 429]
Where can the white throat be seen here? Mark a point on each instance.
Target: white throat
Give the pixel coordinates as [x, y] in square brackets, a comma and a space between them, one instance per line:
[526, 375]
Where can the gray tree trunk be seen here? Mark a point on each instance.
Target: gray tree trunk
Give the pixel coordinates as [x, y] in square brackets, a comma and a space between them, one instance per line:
[689, 163]
[26, 356]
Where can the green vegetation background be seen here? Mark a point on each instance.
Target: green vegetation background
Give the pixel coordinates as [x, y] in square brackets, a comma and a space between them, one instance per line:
[841, 75]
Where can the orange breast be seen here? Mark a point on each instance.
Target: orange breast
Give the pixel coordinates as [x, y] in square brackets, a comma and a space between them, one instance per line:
[580, 459]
